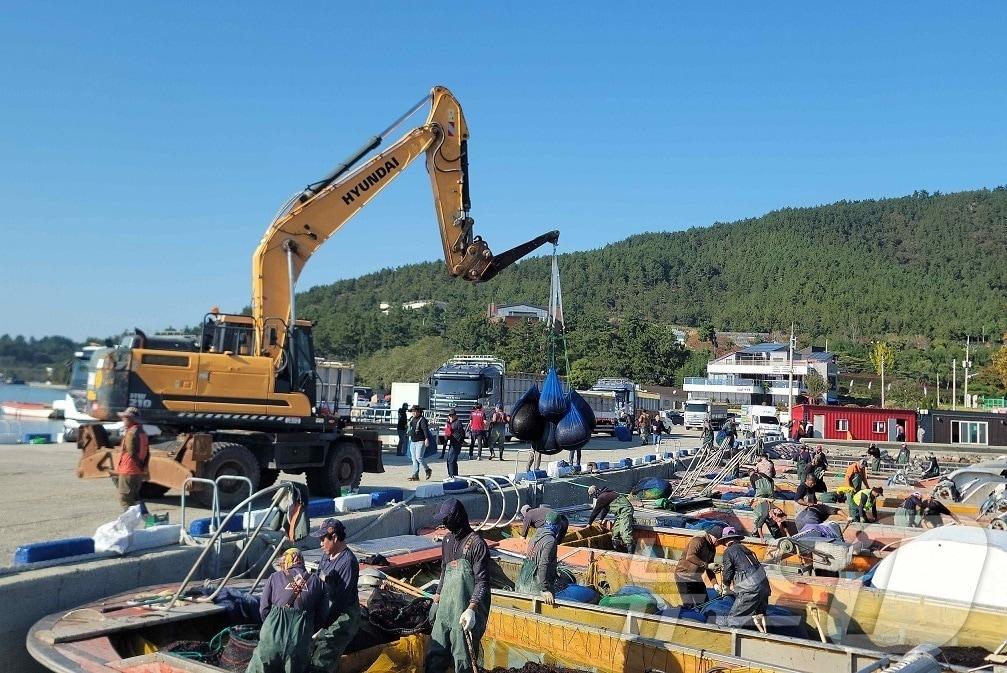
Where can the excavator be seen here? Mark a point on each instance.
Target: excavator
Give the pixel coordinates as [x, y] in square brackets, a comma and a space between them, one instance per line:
[238, 402]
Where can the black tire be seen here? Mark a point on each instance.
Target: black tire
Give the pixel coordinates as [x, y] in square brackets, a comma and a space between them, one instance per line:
[267, 478]
[71, 434]
[151, 490]
[344, 466]
[234, 459]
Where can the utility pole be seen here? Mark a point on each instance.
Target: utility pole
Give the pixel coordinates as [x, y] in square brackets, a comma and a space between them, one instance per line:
[882, 382]
[790, 381]
[954, 385]
[966, 366]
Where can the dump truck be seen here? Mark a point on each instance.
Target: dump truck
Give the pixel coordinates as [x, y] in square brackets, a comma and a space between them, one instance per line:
[240, 398]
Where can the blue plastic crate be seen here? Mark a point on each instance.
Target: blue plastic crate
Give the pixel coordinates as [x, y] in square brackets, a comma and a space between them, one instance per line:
[320, 507]
[202, 526]
[53, 549]
[29, 436]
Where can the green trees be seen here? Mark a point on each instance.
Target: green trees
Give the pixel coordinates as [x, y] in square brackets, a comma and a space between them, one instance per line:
[815, 386]
[883, 358]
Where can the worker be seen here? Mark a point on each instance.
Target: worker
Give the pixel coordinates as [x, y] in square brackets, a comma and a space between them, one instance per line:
[455, 431]
[762, 484]
[707, 437]
[534, 517]
[863, 500]
[134, 456]
[697, 560]
[808, 490]
[463, 594]
[763, 509]
[875, 453]
[400, 427]
[932, 469]
[766, 466]
[829, 530]
[934, 510]
[813, 514]
[801, 462]
[643, 424]
[292, 604]
[538, 575]
[856, 479]
[339, 571]
[606, 500]
[477, 431]
[916, 509]
[903, 458]
[776, 524]
[819, 463]
[419, 442]
[498, 430]
[747, 579]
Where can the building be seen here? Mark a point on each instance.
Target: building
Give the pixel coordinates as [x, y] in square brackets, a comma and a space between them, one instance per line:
[743, 339]
[977, 428]
[759, 374]
[511, 314]
[858, 423]
[414, 305]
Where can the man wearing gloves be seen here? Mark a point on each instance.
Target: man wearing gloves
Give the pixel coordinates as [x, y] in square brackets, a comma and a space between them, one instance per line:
[746, 576]
[539, 571]
[339, 570]
[292, 605]
[462, 601]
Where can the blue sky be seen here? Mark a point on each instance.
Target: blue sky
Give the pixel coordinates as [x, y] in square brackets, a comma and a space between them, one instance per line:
[146, 146]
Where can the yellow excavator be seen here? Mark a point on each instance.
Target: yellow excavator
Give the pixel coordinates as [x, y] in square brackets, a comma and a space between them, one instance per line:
[239, 400]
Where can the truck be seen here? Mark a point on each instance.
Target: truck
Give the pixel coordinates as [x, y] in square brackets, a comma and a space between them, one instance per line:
[240, 399]
[698, 411]
[467, 380]
[761, 420]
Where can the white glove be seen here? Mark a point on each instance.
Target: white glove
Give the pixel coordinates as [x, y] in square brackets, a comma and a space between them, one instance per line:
[468, 619]
[548, 597]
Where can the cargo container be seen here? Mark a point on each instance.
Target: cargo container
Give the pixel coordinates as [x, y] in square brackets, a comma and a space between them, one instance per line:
[858, 423]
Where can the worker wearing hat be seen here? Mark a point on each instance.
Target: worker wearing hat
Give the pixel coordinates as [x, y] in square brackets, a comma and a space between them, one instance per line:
[746, 577]
[539, 574]
[864, 500]
[134, 455]
[339, 570]
[463, 593]
[856, 479]
[696, 561]
[291, 606]
[608, 501]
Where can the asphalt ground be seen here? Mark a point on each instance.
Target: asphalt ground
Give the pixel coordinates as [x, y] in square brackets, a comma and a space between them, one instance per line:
[41, 497]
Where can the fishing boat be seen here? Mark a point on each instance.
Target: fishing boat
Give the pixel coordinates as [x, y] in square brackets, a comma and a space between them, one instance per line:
[13, 409]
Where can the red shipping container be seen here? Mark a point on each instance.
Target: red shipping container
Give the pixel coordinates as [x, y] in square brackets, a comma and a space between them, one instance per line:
[870, 424]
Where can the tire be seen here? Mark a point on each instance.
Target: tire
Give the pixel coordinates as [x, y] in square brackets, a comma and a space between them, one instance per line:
[234, 459]
[152, 490]
[71, 434]
[267, 478]
[344, 466]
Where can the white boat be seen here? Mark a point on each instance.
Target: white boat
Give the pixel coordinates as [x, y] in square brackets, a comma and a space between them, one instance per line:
[13, 409]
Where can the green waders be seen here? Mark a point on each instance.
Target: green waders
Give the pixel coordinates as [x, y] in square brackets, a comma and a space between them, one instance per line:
[857, 483]
[447, 638]
[802, 469]
[284, 642]
[903, 517]
[764, 488]
[333, 640]
[622, 531]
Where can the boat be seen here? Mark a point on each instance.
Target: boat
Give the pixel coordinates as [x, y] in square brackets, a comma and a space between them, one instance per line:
[12, 409]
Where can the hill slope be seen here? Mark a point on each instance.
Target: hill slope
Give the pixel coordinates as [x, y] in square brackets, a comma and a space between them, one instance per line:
[932, 265]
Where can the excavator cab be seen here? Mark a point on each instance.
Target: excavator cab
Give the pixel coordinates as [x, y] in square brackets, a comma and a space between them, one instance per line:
[299, 375]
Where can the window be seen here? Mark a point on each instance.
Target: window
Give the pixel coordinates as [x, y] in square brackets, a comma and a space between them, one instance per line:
[969, 432]
[879, 427]
[842, 424]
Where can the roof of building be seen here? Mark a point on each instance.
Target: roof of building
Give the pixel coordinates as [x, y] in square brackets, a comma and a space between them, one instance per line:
[535, 306]
[771, 347]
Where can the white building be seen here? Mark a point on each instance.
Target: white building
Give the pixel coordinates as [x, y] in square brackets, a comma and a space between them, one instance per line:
[759, 375]
[511, 313]
[414, 305]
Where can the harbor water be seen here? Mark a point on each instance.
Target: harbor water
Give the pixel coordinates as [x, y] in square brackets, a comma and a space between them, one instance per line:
[18, 427]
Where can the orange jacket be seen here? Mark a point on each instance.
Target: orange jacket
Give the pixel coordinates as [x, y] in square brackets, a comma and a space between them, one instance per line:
[135, 452]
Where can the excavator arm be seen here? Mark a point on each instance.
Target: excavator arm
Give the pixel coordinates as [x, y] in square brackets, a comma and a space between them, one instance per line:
[323, 207]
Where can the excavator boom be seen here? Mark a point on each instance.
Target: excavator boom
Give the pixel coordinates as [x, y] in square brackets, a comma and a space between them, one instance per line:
[322, 208]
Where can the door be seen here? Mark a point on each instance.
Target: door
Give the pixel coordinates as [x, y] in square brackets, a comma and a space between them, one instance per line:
[893, 429]
[819, 426]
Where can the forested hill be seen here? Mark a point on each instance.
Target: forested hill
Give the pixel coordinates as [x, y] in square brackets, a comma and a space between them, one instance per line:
[927, 264]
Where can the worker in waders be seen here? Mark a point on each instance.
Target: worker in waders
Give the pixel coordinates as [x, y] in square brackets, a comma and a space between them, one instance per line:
[801, 462]
[747, 579]
[605, 501]
[340, 572]
[292, 604]
[539, 574]
[864, 500]
[695, 562]
[462, 602]
[535, 517]
[856, 479]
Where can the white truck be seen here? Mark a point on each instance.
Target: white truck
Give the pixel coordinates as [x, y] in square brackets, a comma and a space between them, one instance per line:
[761, 420]
[698, 412]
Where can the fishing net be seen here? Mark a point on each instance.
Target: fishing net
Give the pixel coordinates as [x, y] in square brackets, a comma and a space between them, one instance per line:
[582, 407]
[547, 442]
[525, 422]
[393, 614]
[552, 403]
[572, 432]
[237, 651]
[533, 667]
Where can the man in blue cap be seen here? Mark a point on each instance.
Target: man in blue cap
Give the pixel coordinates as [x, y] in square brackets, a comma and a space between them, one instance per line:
[463, 594]
[340, 571]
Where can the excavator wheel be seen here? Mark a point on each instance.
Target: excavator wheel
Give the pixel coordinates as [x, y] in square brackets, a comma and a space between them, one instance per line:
[343, 467]
[233, 459]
